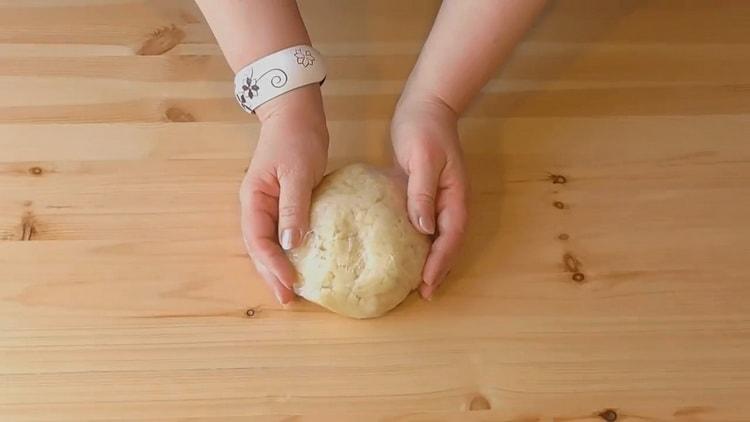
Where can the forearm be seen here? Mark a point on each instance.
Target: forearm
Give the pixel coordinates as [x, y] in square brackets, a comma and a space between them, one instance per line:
[250, 29]
[247, 30]
[469, 40]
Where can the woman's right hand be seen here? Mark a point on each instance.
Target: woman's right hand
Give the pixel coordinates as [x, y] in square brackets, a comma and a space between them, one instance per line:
[288, 162]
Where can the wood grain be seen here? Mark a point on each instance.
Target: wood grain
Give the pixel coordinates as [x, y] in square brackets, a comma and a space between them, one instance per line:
[604, 276]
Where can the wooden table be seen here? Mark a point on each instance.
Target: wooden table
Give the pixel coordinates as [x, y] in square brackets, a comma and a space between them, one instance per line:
[605, 276]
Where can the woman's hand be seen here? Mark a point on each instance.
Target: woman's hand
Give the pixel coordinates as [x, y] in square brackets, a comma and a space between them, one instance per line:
[455, 62]
[289, 161]
[425, 140]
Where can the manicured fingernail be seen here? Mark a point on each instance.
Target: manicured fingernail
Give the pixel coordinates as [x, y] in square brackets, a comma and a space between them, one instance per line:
[426, 224]
[289, 238]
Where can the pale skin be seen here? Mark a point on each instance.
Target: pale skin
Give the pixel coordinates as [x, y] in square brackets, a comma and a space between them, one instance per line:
[467, 43]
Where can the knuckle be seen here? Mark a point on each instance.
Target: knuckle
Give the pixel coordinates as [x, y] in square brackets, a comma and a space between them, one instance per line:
[440, 250]
[293, 173]
[296, 180]
[427, 160]
[250, 187]
[288, 211]
[434, 157]
[248, 198]
[459, 224]
[460, 230]
[284, 173]
[423, 197]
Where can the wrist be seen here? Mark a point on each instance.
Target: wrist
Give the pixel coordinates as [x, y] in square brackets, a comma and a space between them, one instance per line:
[425, 102]
[421, 88]
[278, 74]
[305, 102]
[299, 111]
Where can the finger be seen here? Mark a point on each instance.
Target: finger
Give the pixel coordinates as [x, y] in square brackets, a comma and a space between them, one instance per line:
[283, 295]
[258, 223]
[294, 210]
[451, 222]
[427, 291]
[420, 194]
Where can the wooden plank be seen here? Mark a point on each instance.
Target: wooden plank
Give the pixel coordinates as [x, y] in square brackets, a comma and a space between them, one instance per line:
[604, 273]
[694, 100]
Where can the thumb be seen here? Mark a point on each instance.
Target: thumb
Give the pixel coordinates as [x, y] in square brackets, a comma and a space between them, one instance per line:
[294, 209]
[420, 193]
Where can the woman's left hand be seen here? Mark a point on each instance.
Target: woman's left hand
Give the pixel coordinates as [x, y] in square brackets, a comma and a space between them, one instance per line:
[425, 140]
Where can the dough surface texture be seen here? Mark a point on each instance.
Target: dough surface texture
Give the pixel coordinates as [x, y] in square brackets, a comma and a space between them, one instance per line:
[362, 256]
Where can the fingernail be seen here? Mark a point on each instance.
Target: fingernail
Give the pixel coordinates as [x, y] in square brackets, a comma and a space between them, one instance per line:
[289, 238]
[426, 224]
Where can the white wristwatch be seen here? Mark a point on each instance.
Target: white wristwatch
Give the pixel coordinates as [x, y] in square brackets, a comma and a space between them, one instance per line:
[278, 73]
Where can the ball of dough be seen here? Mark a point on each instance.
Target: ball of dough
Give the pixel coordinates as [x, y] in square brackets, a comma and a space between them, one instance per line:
[362, 256]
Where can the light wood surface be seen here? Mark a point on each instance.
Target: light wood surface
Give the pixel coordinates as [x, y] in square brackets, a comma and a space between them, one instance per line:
[124, 285]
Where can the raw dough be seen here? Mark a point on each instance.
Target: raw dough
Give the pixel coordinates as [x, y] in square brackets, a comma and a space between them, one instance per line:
[362, 256]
